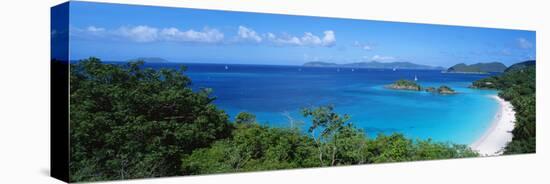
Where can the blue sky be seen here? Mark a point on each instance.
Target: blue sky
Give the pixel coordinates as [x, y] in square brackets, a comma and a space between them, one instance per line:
[122, 32]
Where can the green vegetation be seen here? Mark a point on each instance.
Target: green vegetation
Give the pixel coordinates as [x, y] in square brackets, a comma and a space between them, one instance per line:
[405, 85]
[413, 86]
[445, 90]
[133, 122]
[520, 66]
[332, 141]
[129, 122]
[477, 68]
[253, 147]
[245, 118]
[518, 87]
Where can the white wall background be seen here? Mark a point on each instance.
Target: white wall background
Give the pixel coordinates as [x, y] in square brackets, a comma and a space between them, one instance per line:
[24, 89]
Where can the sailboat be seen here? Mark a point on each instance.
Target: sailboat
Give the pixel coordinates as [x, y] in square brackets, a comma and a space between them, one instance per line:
[415, 78]
[226, 67]
[352, 70]
[394, 69]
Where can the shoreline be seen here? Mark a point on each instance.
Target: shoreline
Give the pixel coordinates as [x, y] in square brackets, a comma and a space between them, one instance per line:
[495, 138]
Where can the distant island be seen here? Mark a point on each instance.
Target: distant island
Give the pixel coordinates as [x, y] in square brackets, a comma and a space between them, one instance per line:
[405, 85]
[413, 86]
[521, 65]
[374, 64]
[151, 60]
[478, 68]
[445, 90]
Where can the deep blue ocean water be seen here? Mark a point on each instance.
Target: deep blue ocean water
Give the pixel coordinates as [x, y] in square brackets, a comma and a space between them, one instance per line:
[275, 93]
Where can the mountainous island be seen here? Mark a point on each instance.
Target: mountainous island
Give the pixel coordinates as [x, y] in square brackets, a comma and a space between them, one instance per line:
[374, 64]
[478, 68]
[151, 60]
[405, 85]
[443, 90]
[521, 65]
[413, 86]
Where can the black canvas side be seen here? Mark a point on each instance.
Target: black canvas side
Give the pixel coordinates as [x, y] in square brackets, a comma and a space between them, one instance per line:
[59, 99]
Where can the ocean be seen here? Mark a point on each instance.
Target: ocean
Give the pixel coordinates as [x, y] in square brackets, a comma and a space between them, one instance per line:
[275, 94]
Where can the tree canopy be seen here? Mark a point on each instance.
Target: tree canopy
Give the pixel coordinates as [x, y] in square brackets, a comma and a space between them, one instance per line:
[132, 122]
[518, 86]
[128, 121]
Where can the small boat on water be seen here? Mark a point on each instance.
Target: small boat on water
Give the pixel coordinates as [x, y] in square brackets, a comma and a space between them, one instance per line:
[226, 67]
[415, 78]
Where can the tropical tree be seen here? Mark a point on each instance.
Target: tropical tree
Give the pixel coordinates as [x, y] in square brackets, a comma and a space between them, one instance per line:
[330, 125]
[245, 117]
[133, 122]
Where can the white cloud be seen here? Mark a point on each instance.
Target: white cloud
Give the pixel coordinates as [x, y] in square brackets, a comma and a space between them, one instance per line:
[94, 29]
[207, 35]
[382, 58]
[524, 43]
[145, 34]
[271, 36]
[245, 33]
[329, 39]
[309, 39]
[139, 33]
[283, 40]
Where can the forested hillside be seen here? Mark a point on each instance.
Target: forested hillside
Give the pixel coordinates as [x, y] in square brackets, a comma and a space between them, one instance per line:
[518, 86]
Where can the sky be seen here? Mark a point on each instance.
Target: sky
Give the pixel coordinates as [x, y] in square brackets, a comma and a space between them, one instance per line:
[115, 32]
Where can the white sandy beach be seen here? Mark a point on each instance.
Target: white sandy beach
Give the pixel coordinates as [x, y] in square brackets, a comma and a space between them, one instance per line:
[499, 133]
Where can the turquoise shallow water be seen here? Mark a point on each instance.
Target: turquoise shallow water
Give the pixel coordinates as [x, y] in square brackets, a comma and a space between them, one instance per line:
[275, 93]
